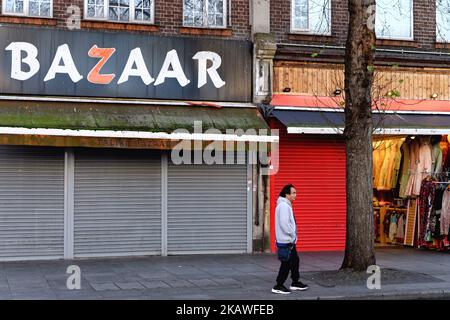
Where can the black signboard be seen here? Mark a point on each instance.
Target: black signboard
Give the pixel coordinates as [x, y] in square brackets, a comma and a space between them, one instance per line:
[42, 61]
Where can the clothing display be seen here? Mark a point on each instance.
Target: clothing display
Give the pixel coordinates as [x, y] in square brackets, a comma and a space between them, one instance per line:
[405, 170]
[396, 163]
[425, 163]
[415, 174]
[412, 168]
[445, 213]
[393, 228]
[426, 201]
[393, 225]
[401, 227]
[436, 158]
[387, 158]
[445, 144]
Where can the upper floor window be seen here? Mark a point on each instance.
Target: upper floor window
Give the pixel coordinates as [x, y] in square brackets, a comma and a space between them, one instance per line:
[443, 20]
[311, 16]
[394, 19]
[205, 13]
[33, 8]
[120, 10]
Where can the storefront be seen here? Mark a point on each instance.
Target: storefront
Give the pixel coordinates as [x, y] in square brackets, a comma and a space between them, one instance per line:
[86, 170]
[409, 187]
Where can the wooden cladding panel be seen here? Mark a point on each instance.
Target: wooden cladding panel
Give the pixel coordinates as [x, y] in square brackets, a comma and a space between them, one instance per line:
[322, 80]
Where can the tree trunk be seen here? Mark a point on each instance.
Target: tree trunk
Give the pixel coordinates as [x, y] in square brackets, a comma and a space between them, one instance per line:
[359, 56]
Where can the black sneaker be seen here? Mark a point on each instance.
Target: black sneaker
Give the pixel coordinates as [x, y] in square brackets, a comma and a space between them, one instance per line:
[298, 286]
[280, 289]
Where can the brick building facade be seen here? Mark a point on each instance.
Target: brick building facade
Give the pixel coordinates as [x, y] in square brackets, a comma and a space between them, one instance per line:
[168, 20]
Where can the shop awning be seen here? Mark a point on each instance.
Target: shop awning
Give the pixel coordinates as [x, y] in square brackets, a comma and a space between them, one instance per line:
[332, 122]
[76, 121]
[397, 104]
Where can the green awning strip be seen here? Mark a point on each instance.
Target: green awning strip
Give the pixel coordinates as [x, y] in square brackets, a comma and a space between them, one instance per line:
[151, 118]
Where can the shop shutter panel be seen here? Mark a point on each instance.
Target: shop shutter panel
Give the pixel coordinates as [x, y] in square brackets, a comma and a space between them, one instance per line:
[31, 203]
[207, 209]
[316, 166]
[117, 203]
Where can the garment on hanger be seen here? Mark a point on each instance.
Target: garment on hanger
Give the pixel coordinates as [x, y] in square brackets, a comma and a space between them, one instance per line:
[425, 163]
[385, 171]
[426, 200]
[436, 158]
[405, 171]
[393, 228]
[437, 229]
[445, 144]
[387, 160]
[397, 162]
[376, 221]
[414, 170]
[445, 212]
[376, 162]
[401, 227]
[387, 223]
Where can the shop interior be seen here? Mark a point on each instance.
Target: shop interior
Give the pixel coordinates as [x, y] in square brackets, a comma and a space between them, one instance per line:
[411, 185]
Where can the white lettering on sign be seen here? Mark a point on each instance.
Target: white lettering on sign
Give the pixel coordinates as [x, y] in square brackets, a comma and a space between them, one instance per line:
[140, 71]
[63, 63]
[68, 67]
[203, 57]
[176, 72]
[16, 49]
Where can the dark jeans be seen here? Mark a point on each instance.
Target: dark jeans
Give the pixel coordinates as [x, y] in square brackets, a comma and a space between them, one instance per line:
[291, 265]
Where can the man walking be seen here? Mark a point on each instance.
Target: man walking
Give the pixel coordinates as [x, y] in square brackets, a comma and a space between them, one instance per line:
[286, 237]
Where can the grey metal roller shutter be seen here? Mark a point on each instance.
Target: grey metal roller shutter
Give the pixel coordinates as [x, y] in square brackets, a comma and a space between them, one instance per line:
[117, 203]
[31, 203]
[207, 208]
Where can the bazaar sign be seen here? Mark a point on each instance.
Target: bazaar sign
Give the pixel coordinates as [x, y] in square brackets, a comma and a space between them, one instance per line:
[38, 61]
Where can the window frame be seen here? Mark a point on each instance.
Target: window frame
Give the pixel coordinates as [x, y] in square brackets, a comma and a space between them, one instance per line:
[26, 10]
[411, 38]
[132, 19]
[205, 17]
[437, 38]
[309, 30]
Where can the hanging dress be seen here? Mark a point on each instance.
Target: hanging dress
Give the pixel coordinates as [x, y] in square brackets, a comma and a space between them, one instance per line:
[405, 171]
[426, 201]
[414, 161]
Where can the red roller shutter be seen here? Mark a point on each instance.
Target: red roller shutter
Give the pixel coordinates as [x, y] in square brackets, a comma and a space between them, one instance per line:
[315, 165]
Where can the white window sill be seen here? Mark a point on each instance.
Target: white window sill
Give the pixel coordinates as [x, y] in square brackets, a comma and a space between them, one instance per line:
[145, 23]
[21, 15]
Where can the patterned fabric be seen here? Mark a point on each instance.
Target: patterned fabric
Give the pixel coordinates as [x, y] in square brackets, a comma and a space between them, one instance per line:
[445, 155]
[426, 200]
[445, 213]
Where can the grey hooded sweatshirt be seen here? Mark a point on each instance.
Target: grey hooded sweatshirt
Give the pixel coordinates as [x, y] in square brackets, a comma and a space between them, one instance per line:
[285, 226]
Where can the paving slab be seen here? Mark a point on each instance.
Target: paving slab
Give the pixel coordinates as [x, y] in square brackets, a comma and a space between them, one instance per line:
[154, 284]
[205, 283]
[130, 285]
[179, 283]
[104, 286]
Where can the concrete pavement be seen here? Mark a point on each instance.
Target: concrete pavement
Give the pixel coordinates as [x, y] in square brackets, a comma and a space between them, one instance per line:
[405, 273]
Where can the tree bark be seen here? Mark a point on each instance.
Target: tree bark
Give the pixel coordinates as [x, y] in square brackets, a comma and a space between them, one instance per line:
[359, 56]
